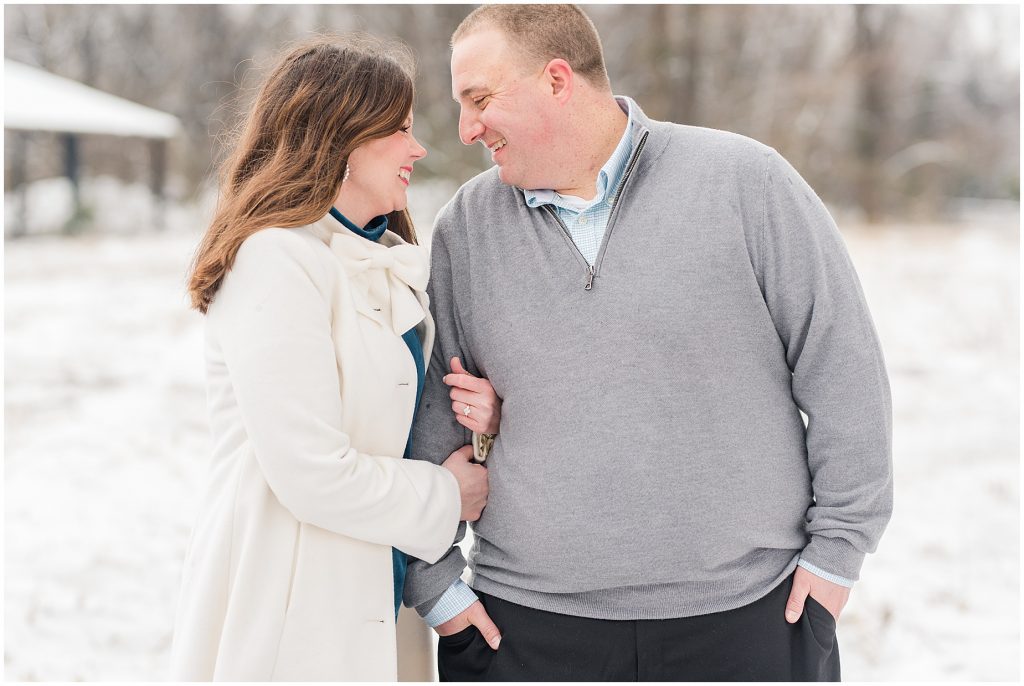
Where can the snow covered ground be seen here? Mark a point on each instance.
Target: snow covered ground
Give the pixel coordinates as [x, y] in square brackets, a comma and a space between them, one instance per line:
[106, 445]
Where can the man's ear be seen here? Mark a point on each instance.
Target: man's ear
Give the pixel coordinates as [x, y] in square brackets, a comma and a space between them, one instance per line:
[560, 78]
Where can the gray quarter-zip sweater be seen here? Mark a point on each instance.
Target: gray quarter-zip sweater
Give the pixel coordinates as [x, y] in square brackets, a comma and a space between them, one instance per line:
[652, 461]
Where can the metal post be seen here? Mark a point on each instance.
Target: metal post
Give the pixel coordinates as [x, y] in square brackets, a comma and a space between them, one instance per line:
[19, 141]
[71, 159]
[158, 175]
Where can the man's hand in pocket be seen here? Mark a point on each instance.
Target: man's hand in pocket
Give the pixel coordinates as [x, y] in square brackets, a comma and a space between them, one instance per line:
[832, 596]
[476, 615]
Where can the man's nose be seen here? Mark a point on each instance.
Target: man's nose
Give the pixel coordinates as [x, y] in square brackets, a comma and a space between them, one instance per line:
[470, 128]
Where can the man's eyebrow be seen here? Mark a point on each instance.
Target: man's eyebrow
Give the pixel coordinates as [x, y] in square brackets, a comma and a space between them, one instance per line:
[467, 90]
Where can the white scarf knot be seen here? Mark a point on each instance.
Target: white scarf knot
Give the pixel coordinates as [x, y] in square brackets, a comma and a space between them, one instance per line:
[386, 276]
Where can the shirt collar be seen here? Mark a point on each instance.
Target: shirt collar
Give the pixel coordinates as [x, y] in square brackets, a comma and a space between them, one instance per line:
[607, 179]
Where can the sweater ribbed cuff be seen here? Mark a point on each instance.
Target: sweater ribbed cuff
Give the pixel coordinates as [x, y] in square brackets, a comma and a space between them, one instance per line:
[835, 556]
[819, 572]
[426, 584]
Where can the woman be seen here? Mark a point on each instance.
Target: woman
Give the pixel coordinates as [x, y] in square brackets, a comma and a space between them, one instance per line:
[317, 334]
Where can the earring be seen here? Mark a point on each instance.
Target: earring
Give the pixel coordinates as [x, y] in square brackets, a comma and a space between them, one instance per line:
[347, 171]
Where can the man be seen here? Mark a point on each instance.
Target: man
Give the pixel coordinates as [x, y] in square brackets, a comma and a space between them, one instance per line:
[655, 304]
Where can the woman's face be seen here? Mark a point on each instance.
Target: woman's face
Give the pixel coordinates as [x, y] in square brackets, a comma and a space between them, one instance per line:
[379, 174]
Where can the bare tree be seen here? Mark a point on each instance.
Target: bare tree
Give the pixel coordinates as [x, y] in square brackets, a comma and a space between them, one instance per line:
[889, 109]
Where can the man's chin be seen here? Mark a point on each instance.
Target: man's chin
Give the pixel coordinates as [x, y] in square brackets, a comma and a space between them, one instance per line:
[510, 178]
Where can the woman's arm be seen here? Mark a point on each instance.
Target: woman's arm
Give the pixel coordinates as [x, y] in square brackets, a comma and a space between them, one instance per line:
[272, 319]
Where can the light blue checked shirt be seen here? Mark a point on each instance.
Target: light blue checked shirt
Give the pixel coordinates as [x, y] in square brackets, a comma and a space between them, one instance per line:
[586, 221]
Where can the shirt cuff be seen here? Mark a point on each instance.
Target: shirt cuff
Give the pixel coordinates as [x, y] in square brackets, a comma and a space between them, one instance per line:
[817, 571]
[457, 598]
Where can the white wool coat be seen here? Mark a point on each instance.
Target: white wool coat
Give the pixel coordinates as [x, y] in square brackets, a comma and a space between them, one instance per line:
[311, 393]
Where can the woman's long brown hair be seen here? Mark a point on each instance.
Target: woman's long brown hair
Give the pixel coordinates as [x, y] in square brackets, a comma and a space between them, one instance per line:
[322, 100]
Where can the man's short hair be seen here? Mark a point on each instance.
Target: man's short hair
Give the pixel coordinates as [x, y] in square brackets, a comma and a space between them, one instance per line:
[545, 32]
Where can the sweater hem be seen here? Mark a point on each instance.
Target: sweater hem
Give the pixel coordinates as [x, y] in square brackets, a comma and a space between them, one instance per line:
[672, 600]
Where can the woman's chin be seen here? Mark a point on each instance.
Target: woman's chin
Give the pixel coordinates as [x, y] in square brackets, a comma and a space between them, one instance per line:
[385, 210]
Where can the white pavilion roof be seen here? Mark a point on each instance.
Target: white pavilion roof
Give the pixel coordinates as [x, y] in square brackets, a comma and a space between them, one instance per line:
[36, 100]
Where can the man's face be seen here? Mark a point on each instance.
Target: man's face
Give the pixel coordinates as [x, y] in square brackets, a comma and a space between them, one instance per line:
[503, 106]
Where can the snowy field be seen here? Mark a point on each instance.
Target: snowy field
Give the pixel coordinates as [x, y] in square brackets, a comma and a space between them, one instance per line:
[106, 445]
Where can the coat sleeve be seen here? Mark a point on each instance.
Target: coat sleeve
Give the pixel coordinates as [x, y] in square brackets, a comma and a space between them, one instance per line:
[273, 322]
[839, 379]
[436, 434]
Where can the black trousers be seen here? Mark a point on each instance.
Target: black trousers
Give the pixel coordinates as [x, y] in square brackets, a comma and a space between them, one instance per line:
[750, 643]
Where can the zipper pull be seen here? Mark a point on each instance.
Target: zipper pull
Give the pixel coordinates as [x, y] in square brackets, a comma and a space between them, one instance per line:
[590, 279]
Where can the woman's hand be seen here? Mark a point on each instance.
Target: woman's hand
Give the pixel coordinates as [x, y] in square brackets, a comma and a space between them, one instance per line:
[472, 480]
[476, 395]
